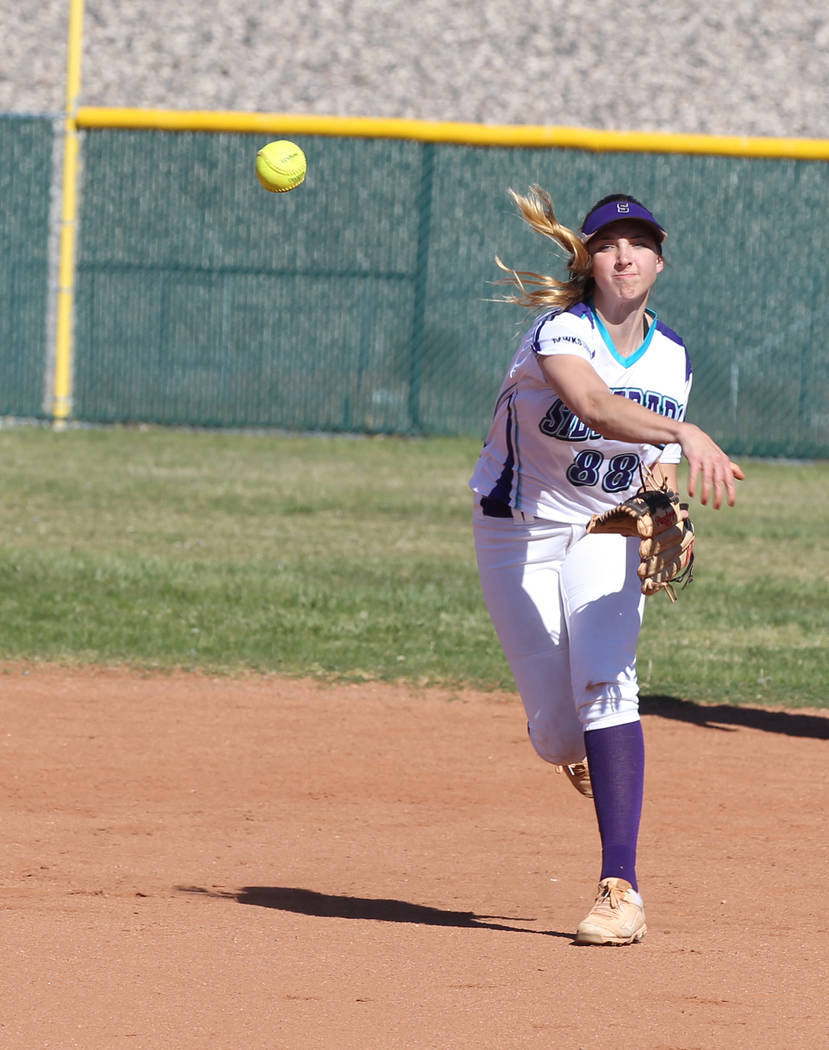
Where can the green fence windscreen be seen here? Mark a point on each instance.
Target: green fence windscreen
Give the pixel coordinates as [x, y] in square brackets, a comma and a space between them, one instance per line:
[361, 300]
[25, 180]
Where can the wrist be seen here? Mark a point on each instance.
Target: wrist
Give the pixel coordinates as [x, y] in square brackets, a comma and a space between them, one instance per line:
[683, 431]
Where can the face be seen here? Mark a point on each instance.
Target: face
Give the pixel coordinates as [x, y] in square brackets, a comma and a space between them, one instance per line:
[626, 262]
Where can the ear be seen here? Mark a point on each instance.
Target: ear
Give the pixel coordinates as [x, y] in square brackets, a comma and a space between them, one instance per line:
[660, 263]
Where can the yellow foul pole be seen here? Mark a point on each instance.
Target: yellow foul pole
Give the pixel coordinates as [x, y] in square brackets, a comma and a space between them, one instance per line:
[62, 403]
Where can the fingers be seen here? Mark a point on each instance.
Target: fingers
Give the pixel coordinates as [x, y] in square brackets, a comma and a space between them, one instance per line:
[730, 487]
[710, 479]
[693, 473]
[718, 472]
[713, 479]
[733, 472]
[716, 480]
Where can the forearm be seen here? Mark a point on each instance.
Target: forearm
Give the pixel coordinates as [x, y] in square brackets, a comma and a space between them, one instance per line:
[618, 419]
[614, 417]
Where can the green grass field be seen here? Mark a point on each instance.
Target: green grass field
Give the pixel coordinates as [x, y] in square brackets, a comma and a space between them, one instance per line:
[352, 558]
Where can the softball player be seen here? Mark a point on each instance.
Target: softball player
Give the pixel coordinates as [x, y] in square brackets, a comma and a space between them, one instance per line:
[594, 398]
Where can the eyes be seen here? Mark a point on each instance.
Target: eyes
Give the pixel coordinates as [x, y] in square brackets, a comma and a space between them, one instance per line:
[634, 242]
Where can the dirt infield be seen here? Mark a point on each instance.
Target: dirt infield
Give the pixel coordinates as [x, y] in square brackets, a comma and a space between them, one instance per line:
[192, 862]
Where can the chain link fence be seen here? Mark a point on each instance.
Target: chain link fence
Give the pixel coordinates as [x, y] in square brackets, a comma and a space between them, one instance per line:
[363, 301]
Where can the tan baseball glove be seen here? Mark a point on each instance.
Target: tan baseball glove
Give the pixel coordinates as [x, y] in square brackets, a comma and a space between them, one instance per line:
[666, 548]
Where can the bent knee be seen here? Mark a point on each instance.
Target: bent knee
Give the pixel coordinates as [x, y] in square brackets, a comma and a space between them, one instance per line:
[557, 748]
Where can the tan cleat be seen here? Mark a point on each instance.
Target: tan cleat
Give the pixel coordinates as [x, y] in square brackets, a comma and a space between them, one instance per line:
[579, 776]
[617, 916]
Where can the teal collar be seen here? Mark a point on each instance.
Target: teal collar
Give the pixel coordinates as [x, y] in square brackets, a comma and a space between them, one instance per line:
[634, 357]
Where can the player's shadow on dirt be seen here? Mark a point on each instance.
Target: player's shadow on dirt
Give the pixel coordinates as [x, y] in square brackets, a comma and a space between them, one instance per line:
[725, 717]
[334, 906]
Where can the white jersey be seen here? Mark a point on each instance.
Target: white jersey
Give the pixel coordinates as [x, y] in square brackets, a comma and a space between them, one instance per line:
[539, 457]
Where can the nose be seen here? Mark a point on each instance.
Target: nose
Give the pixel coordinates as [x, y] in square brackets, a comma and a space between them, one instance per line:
[624, 253]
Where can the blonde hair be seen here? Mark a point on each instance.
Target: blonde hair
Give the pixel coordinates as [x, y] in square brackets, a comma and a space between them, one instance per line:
[540, 291]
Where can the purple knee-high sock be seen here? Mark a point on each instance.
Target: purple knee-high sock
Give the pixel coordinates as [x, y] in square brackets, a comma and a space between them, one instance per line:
[616, 757]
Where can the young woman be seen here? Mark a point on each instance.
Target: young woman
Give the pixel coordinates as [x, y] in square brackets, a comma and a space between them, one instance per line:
[594, 399]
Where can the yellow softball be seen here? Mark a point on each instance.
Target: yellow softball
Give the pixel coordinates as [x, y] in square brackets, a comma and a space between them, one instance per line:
[280, 166]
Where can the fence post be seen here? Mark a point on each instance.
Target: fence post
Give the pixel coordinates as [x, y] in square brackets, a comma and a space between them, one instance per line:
[62, 400]
[427, 170]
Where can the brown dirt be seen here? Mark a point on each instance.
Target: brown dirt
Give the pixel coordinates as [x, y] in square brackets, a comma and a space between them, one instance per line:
[194, 862]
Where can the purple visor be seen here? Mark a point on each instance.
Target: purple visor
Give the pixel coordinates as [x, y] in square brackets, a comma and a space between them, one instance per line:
[616, 211]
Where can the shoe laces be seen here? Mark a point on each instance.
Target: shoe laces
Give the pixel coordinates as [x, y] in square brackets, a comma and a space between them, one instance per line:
[579, 776]
[573, 769]
[611, 895]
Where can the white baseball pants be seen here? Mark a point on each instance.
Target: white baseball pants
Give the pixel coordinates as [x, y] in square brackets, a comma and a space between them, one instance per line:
[567, 608]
